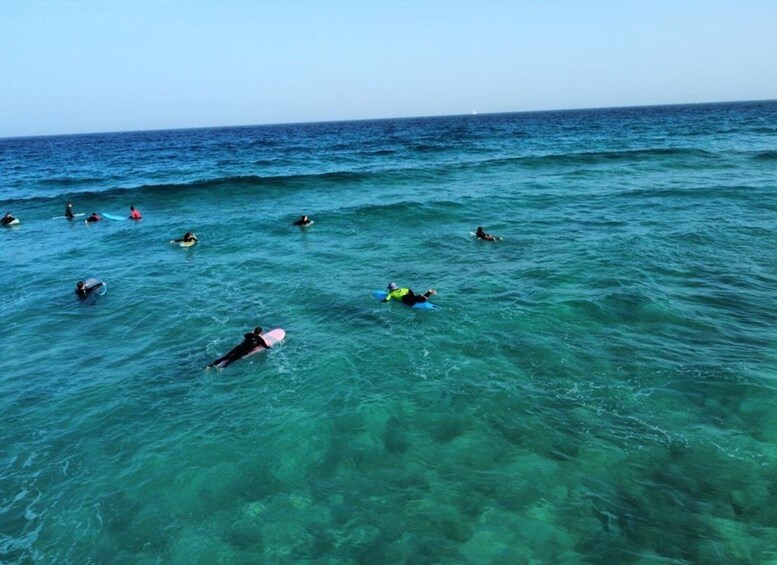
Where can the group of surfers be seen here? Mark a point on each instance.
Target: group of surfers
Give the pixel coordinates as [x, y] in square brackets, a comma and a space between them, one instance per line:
[252, 339]
[134, 214]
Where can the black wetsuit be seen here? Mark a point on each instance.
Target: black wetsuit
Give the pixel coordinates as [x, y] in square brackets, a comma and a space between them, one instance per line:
[69, 213]
[250, 342]
[412, 298]
[85, 291]
[302, 222]
[7, 220]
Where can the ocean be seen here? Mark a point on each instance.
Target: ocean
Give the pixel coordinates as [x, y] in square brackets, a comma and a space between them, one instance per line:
[597, 387]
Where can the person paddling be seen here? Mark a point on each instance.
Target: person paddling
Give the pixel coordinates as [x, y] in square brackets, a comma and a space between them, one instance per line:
[135, 214]
[303, 221]
[8, 219]
[251, 341]
[480, 234]
[406, 295]
[82, 291]
[93, 218]
[188, 237]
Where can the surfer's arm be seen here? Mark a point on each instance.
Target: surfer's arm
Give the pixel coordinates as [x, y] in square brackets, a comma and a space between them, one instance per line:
[93, 287]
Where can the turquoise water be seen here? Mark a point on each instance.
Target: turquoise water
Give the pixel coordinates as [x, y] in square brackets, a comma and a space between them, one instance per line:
[597, 387]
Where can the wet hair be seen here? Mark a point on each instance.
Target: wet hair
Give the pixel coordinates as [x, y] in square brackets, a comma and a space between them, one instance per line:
[257, 330]
[80, 284]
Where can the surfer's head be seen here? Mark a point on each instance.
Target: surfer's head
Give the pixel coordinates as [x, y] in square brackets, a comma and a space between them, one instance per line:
[392, 286]
[257, 330]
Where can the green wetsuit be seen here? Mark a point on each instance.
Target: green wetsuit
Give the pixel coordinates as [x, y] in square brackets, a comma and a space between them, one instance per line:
[397, 294]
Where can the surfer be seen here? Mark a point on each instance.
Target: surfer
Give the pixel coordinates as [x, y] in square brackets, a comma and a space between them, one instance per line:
[251, 341]
[8, 219]
[93, 218]
[187, 238]
[480, 234]
[406, 295]
[82, 291]
[69, 211]
[135, 214]
[303, 221]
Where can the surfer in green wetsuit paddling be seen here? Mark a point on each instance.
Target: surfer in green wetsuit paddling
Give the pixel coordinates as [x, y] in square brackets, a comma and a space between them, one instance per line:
[406, 295]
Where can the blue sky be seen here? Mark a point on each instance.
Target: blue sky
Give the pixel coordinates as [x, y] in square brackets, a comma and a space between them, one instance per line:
[84, 66]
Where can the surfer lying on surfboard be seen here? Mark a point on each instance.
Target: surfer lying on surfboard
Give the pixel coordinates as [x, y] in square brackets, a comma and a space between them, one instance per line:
[93, 218]
[303, 221]
[188, 237]
[480, 234]
[82, 291]
[251, 341]
[8, 219]
[406, 295]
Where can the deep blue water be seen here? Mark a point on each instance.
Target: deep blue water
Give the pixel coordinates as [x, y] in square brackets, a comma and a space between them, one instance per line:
[599, 386]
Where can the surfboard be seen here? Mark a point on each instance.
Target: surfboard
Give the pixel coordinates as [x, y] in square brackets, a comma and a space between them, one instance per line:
[310, 223]
[183, 243]
[271, 338]
[91, 281]
[496, 238]
[66, 218]
[114, 217]
[15, 222]
[382, 294]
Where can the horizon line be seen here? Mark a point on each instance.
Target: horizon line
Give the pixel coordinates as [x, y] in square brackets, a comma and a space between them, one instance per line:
[416, 117]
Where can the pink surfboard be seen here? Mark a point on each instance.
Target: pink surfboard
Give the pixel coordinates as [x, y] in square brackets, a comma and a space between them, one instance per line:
[270, 338]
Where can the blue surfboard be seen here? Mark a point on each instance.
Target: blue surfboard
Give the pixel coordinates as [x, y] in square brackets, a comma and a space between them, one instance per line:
[114, 217]
[382, 294]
